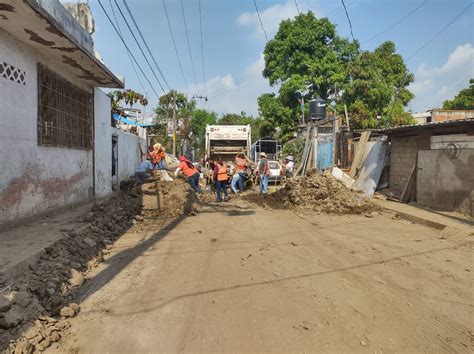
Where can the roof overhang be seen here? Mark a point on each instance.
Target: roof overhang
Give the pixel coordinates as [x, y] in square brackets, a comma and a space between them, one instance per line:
[31, 23]
[465, 124]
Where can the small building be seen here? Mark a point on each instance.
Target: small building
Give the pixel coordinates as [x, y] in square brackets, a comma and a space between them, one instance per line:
[434, 164]
[56, 138]
[442, 115]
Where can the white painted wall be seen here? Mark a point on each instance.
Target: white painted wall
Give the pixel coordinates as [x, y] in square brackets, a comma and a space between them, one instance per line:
[103, 144]
[129, 153]
[33, 178]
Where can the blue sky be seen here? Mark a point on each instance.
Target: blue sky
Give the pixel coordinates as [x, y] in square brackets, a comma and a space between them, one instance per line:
[234, 41]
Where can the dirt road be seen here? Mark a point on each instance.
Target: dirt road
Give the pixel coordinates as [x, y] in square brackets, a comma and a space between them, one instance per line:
[240, 278]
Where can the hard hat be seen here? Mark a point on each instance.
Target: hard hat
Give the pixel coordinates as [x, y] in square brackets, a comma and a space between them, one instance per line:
[289, 158]
[157, 145]
[182, 158]
[263, 154]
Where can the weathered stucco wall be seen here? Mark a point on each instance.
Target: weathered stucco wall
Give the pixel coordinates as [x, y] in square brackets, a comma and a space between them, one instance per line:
[33, 178]
[445, 181]
[403, 153]
[130, 148]
[103, 144]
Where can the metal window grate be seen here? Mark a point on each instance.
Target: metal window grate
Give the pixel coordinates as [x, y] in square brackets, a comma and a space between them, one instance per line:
[12, 73]
[64, 112]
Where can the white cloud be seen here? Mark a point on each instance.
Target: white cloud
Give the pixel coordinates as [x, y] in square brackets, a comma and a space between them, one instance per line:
[227, 95]
[272, 16]
[434, 85]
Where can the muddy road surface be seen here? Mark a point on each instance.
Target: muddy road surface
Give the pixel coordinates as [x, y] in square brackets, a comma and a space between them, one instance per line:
[237, 277]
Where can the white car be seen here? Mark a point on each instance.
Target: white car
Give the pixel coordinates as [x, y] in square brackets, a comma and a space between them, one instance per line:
[276, 171]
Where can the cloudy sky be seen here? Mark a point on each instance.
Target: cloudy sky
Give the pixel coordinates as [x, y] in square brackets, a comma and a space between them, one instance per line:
[233, 40]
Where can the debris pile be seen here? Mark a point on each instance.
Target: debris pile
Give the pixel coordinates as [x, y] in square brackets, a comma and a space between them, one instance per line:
[321, 193]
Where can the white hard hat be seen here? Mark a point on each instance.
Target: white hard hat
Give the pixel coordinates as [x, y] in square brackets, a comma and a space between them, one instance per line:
[263, 154]
[289, 158]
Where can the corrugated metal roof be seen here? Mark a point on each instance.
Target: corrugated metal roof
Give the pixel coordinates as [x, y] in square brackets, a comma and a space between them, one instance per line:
[431, 125]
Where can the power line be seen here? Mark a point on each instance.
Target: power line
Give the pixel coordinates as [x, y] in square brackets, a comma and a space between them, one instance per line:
[297, 8]
[189, 45]
[128, 54]
[202, 48]
[348, 19]
[175, 48]
[439, 33]
[140, 47]
[338, 8]
[128, 49]
[397, 22]
[260, 19]
[423, 47]
[146, 44]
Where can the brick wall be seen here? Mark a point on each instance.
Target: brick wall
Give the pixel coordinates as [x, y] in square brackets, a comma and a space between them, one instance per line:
[403, 152]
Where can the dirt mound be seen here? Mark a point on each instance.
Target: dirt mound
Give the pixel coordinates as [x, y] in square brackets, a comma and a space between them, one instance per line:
[321, 193]
[49, 288]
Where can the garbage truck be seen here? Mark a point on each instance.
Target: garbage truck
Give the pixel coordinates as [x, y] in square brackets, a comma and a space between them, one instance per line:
[226, 141]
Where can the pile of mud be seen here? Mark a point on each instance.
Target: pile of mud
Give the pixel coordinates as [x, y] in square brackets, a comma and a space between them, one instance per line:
[36, 306]
[320, 193]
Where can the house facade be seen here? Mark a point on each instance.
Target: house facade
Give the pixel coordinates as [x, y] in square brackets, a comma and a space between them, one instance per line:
[55, 136]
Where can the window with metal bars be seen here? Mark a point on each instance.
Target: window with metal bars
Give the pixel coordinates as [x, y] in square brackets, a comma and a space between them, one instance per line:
[64, 112]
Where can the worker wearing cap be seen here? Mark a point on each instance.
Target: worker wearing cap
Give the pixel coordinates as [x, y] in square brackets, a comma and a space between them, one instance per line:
[289, 166]
[191, 173]
[221, 177]
[264, 172]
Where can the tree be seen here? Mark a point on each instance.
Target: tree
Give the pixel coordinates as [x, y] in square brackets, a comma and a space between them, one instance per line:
[129, 96]
[377, 92]
[167, 103]
[306, 52]
[199, 119]
[463, 100]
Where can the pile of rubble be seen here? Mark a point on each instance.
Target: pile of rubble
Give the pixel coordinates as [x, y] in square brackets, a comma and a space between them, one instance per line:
[321, 193]
[34, 308]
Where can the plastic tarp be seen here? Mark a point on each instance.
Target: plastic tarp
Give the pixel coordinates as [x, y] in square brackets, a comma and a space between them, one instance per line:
[125, 120]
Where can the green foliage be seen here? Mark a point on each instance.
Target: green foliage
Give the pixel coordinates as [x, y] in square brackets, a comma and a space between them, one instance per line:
[130, 98]
[199, 119]
[463, 100]
[295, 148]
[377, 93]
[305, 51]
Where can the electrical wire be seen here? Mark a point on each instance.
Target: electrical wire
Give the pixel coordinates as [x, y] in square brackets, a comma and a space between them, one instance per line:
[348, 19]
[202, 49]
[176, 48]
[338, 9]
[128, 49]
[140, 47]
[189, 45]
[440, 32]
[397, 22]
[260, 19]
[423, 47]
[146, 44]
[128, 54]
[297, 8]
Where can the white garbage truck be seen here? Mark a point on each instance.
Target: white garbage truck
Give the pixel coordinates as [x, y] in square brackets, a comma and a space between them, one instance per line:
[224, 142]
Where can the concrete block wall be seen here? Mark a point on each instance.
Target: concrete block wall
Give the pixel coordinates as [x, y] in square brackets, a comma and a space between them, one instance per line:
[33, 178]
[403, 154]
[446, 182]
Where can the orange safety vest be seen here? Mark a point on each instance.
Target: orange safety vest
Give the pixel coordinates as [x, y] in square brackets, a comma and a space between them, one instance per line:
[240, 164]
[222, 173]
[188, 171]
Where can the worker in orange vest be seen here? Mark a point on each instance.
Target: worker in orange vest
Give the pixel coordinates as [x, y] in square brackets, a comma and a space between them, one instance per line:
[241, 164]
[191, 173]
[221, 177]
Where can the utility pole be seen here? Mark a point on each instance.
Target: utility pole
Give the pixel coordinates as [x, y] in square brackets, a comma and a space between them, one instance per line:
[174, 123]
